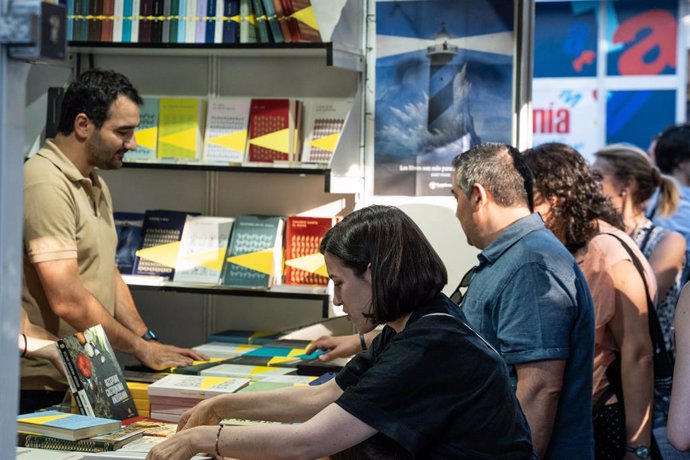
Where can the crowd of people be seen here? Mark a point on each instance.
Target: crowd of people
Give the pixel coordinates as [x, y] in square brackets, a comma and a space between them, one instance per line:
[548, 349]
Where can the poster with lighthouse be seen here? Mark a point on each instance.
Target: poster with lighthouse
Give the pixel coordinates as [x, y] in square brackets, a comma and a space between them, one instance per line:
[444, 72]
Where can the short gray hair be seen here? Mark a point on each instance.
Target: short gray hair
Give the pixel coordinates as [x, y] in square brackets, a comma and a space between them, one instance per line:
[499, 168]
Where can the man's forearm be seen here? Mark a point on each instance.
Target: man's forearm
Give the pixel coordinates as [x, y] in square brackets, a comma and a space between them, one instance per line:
[540, 412]
[126, 311]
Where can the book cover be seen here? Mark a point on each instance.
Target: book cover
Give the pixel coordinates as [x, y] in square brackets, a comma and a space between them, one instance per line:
[95, 21]
[180, 124]
[269, 130]
[255, 252]
[101, 443]
[273, 23]
[197, 366]
[146, 134]
[223, 350]
[219, 16]
[243, 337]
[31, 453]
[282, 19]
[127, 20]
[226, 129]
[118, 20]
[195, 386]
[231, 21]
[162, 231]
[94, 375]
[304, 264]
[108, 25]
[136, 7]
[303, 19]
[158, 20]
[324, 123]
[63, 425]
[248, 32]
[145, 20]
[190, 22]
[55, 95]
[262, 31]
[210, 21]
[200, 35]
[128, 226]
[202, 250]
[246, 371]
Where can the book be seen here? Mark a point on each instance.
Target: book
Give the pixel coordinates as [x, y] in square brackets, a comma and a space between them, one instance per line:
[200, 27]
[146, 133]
[107, 26]
[203, 245]
[128, 226]
[31, 453]
[323, 126]
[243, 337]
[152, 428]
[282, 19]
[94, 375]
[145, 19]
[100, 443]
[194, 386]
[62, 425]
[258, 373]
[197, 366]
[255, 252]
[273, 22]
[158, 20]
[269, 130]
[180, 128]
[55, 95]
[304, 264]
[231, 21]
[303, 20]
[248, 32]
[162, 231]
[226, 129]
[261, 22]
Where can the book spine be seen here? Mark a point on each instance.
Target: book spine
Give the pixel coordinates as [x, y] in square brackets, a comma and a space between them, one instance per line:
[83, 445]
[71, 373]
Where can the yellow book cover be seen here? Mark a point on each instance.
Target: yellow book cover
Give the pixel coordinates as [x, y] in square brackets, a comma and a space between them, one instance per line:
[181, 121]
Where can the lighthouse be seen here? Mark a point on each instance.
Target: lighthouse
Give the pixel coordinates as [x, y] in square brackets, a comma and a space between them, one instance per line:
[442, 71]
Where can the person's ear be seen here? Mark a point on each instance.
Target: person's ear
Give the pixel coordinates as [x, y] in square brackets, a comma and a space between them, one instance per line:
[479, 195]
[81, 126]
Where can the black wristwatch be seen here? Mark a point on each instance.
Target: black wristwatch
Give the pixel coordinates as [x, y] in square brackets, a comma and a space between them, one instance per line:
[150, 335]
[639, 451]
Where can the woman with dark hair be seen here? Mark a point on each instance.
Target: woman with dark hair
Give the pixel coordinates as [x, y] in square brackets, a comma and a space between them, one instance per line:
[428, 387]
[571, 202]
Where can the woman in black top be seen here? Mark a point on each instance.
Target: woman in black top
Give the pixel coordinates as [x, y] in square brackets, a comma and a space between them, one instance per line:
[428, 387]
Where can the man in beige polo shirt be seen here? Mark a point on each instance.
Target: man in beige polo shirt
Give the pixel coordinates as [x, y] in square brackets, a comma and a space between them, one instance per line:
[71, 281]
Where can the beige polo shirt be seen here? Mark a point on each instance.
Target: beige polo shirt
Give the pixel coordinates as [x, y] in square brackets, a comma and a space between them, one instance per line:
[66, 216]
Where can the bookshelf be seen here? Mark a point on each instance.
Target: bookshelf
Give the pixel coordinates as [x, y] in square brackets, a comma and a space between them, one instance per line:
[334, 69]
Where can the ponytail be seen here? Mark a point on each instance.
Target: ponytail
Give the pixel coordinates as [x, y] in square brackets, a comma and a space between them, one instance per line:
[669, 194]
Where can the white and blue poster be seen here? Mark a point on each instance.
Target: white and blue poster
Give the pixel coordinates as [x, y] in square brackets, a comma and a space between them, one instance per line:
[444, 73]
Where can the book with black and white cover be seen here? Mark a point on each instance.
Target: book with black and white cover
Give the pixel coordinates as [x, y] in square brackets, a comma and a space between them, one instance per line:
[324, 122]
[202, 250]
[194, 386]
[227, 124]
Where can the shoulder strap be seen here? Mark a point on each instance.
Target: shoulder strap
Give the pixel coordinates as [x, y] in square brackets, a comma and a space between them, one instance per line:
[663, 362]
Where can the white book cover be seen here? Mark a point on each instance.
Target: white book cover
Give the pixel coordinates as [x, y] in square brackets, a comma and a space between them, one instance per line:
[195, 386]
[28, 453]
[218, 31]
[227, 124]
[117, 22]
[136, 4]
[190, 26]
[202, 249]
[259, 373]
[324, 122]
[224, 350]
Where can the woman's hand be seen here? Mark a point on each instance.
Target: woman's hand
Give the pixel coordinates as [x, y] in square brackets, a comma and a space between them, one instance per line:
[184, 445]
[204, 413]
[336, 346]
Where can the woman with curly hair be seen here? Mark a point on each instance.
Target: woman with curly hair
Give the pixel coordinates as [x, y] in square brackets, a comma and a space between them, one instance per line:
[570, 200]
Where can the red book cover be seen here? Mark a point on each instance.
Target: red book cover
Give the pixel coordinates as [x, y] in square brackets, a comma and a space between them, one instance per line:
[303, 262]
[282, 18]
[306, 33]
[108, 21]
[269, 130]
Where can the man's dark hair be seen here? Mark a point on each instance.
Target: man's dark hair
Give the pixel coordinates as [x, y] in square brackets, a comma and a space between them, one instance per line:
[406, 271]
[92, 93]
[560, 172]
[500, 169]
[672, 148]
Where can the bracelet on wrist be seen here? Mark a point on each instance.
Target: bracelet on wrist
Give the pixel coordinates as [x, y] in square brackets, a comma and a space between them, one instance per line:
[220, 428]
[362, 341]
[26, 346]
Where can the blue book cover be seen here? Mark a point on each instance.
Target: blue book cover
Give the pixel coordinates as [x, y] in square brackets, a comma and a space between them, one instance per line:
[63, 425]
[231, 27]
[128, 226]
[211, 21]
[182, 22]
[127, 21]
[146, 134]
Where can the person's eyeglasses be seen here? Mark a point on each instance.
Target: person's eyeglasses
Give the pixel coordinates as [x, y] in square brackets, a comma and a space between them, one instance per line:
[459, 292]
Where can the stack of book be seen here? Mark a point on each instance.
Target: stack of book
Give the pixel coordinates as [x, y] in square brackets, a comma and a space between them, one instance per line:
[65, 426]
[171, 396]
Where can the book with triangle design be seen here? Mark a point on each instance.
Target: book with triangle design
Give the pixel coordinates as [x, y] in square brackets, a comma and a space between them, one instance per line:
[195, 386]
[162, 231]
[268, 374]
[255, 252]
[303, 22]
[248, 32]
[63, 425]
[243, 337]
[224, 350]
[180, 128]
[202, 250]
[226, 130]
[270, 130]
[100, 443]
[231, 21]
[94, 375]
[324, 122]
[304, 264]
[146, 134]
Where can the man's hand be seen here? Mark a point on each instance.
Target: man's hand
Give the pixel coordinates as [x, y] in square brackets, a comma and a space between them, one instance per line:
[203, 413]
[337, 346]
[44, 349]
[159, 356]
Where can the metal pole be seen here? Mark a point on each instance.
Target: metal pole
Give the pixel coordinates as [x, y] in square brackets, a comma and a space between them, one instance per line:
[13, 75]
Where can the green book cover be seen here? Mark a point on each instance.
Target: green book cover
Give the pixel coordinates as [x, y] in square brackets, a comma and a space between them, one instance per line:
[146, 134]
[180, 128]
